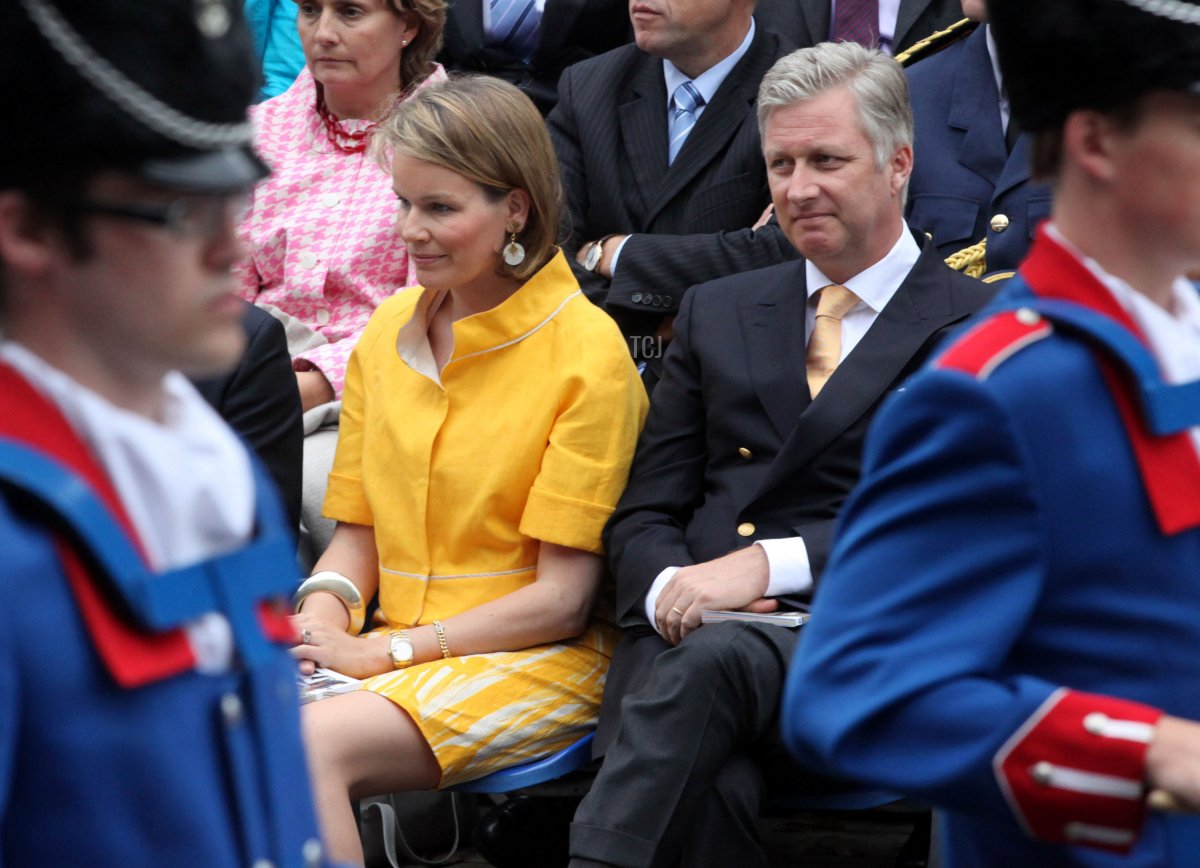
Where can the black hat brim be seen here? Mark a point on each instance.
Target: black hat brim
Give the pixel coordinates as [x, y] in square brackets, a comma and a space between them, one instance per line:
[232, 170]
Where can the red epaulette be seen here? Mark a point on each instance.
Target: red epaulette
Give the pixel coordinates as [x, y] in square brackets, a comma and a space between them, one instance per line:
[1073, 772]
[998, 338]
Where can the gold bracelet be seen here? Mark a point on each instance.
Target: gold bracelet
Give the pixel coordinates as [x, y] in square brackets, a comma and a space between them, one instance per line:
[440, 629]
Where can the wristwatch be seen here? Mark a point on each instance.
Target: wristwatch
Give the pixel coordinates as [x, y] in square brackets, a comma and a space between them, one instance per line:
[401, 649]
[591, 260]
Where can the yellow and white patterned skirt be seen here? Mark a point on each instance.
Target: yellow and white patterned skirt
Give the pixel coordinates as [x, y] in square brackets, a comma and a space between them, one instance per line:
[486, 712]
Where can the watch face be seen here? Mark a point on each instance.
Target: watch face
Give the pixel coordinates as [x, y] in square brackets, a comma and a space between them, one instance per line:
[593, 256]
[402, 651]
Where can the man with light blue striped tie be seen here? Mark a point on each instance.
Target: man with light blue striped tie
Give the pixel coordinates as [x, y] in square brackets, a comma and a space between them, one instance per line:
[699, 45]
[686, 105]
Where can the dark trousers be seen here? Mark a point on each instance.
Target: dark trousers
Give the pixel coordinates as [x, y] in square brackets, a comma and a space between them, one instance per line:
[686, 776]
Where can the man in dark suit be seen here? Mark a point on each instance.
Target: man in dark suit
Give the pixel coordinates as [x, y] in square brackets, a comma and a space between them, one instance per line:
[670, 218]
[970, 178]
[566, 32]
[752, 444]
[807, 22]
[259, 400]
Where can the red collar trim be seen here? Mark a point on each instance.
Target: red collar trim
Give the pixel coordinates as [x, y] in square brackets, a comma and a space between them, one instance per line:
[133, 657]
[1169, 465]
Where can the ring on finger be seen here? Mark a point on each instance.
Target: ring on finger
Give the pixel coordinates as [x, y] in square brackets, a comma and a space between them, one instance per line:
[305, 636]
[676, 610]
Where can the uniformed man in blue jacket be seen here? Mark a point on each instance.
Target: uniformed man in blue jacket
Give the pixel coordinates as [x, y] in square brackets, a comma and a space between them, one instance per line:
[1009, 625]
[148, 705]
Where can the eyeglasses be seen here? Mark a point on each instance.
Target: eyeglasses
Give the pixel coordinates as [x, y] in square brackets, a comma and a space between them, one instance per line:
[185, 217]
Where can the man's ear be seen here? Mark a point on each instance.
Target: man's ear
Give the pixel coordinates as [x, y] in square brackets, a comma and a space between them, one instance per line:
[28, 243]
[1088, 137]
[901, 166]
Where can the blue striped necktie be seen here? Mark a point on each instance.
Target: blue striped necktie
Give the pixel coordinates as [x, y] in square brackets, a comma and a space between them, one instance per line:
[684, 103]
[515, 25]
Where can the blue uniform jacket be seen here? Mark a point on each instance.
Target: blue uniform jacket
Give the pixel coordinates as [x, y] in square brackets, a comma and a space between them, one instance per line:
[113, 749]
[964, 180]
[1013, 597]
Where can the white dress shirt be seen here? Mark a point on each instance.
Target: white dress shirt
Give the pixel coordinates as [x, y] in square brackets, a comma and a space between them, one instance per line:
[789, 569]
[1005, 112]
[889, 14]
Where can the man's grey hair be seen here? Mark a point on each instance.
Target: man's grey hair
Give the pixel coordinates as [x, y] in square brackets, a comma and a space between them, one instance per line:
[877, 81]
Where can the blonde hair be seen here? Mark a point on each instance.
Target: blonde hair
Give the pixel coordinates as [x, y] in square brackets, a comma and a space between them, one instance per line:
[416, 62]
[487, 131]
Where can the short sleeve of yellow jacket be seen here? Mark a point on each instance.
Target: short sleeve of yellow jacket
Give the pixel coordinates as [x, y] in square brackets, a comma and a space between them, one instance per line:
[601, 406]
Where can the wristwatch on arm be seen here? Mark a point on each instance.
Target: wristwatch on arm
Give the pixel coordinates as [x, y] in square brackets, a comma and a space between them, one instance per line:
[595, 253]
[401, 649]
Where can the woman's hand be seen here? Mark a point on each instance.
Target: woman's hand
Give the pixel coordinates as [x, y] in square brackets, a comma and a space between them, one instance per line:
[351, 552]
[325, 644]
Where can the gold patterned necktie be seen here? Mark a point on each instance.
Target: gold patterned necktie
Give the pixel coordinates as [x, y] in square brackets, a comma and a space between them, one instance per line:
[825, 344]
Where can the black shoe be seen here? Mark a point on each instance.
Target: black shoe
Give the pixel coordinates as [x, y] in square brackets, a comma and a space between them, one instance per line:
[527, 832]
[915, 852]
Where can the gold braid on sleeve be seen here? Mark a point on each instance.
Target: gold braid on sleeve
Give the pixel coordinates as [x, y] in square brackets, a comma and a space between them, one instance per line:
[935, 42]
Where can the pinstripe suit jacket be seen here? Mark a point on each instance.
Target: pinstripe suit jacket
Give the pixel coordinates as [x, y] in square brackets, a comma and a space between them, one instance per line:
[692, 218]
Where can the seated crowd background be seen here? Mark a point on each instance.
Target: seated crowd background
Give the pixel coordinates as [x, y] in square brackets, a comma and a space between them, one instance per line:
[749, 226]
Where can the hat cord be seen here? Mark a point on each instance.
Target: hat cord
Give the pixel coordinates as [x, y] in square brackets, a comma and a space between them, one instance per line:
[129, 96]
[1176, 10]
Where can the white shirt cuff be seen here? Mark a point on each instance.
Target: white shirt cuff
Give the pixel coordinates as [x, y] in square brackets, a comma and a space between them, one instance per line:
[655, 589]
[612, 269]
[788, 566]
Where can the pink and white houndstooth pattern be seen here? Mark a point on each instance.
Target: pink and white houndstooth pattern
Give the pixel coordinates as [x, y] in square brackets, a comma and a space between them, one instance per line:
[321, 229]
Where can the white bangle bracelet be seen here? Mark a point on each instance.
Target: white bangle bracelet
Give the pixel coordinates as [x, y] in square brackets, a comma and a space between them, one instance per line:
[341, 587]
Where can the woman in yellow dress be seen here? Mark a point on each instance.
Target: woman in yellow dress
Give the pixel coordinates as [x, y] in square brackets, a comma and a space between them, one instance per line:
[489, 419]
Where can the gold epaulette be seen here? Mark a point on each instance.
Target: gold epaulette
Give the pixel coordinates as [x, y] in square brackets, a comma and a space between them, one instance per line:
[971, 261]
[933, 44]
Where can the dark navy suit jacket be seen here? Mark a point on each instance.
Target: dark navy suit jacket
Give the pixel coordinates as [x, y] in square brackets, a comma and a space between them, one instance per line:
[734, 378]
[964, 179]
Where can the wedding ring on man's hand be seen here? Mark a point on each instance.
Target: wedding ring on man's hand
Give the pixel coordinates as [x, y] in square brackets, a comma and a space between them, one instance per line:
[676, 611]
[305, 636]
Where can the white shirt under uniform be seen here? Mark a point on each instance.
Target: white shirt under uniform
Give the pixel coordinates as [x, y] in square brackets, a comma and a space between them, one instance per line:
[185, 481]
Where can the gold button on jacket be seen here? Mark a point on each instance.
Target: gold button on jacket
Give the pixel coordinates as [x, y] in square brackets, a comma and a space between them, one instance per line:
[745, 529]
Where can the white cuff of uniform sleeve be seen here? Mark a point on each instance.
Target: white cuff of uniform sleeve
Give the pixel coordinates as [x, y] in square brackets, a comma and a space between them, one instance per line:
[789, 571]
[612, 269]
[655, 589]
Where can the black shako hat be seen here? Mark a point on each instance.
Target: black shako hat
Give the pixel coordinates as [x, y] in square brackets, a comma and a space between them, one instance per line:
[1057, 56]
[156, 88]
